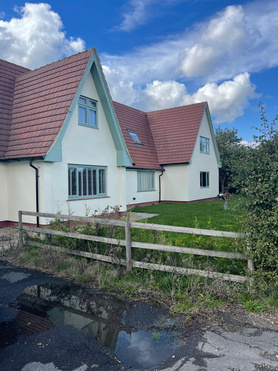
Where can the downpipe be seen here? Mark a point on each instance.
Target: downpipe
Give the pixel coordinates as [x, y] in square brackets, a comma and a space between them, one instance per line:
[37, 190]
[159, 197]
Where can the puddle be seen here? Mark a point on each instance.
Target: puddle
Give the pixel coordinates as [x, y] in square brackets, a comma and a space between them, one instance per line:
[138, 334]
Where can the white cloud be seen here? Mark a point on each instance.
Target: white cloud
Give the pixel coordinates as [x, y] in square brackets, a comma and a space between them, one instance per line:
[227, 100]
[236, 40]
[161, 94]
[122, 90]
[140, 11]
[36, 37]
[136, 16]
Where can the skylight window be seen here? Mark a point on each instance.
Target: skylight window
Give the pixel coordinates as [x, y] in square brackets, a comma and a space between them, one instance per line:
[135, 137]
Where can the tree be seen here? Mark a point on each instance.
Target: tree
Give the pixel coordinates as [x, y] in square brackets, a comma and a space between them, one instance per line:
[260, 192]
[232, 155]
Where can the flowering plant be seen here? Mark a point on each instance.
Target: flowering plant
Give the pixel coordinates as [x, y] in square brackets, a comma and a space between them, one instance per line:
[223, 196]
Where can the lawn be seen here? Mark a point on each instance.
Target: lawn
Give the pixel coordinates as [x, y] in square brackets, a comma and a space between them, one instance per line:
[203, 214]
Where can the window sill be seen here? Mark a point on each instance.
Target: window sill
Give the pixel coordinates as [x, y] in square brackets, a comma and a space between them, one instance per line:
[88, 126]
[86, 198]
[148, 190]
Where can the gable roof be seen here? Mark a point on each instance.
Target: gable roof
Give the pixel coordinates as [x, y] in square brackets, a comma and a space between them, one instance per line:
[175, 132]
[42, 102]
[168, 135]
[36, 106]
[8, 75]
[143, 155]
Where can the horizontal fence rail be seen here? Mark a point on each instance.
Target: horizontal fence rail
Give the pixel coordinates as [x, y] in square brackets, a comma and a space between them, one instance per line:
[129, 244]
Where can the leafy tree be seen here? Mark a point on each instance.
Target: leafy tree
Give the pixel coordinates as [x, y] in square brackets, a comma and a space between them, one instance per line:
[261, 199]
[232, 157]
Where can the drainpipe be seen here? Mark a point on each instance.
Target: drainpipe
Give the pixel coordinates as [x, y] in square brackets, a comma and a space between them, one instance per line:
[159, 197]
[37, 190]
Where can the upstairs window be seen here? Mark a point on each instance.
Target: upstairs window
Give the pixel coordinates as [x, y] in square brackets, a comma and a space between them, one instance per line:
[135, 137]
[204, 145]
[87, 112]
[145, 180]
[86, 181]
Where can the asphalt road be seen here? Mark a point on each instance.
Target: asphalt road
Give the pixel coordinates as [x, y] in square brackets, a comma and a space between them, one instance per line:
[31, 344]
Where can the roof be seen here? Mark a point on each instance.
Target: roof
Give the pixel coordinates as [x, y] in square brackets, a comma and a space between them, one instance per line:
[8, 75]
[168, 135]
[42, 99]
[175, 132]
[143, 156]
[35, 107]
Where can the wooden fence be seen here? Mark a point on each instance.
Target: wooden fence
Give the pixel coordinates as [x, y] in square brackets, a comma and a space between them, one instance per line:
[129, 244]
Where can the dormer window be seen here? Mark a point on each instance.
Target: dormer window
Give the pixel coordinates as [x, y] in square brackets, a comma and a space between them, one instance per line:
[87, 112]
[135, 137]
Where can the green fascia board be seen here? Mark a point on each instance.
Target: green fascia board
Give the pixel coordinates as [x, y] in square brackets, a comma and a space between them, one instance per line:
[207, 113]
[213, 135]
[93, 67]
[123, 158]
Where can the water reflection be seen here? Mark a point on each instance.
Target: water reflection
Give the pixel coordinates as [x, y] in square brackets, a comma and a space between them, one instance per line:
[134, 333]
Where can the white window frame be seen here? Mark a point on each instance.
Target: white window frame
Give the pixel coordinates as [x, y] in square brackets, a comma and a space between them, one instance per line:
[145, 180]
[204, 145]
[88, 106]
[86, 181]
[204, 179]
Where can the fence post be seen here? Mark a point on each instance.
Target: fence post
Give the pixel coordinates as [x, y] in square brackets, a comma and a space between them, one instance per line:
[128, 246]
[20, 230]
[250, 261]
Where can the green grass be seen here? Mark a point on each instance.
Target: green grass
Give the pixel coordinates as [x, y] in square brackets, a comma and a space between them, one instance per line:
[206, 214]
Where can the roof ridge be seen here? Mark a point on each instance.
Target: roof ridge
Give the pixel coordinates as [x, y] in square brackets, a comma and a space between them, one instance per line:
[62, 59]
[14, 64]
[174, 108]
[136, 109]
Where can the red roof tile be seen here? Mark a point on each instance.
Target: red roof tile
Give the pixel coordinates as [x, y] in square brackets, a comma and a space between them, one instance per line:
[168, 136]
[34, 105]
[8, 74]
[41, 101]
[175, 132]
[143, 156]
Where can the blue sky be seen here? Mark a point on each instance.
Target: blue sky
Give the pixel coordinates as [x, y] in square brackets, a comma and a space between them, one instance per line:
[159, 54]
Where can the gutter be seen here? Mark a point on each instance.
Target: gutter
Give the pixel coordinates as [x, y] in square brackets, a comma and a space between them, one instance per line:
[37, 190]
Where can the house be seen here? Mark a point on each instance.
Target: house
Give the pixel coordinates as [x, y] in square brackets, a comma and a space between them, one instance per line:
[66, 147]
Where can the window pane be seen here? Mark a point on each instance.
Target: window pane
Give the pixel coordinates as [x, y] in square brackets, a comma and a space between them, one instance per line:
[94, 182]
[85, 182]
[82, 100]
[72, 182]
[90, 189]
[101, 181]
[80, 182]
[92, 118]
[145, 180]
[135, 137]
[92, 104]
[82, 115]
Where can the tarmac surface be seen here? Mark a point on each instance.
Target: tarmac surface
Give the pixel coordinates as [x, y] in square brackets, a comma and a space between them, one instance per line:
[37, 334]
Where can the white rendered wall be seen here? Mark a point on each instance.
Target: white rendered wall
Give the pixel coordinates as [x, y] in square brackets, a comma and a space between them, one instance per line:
[83, 145]
[3, 193]
[203, 162]
[21, 189]
[134, 196]
[175, 183]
